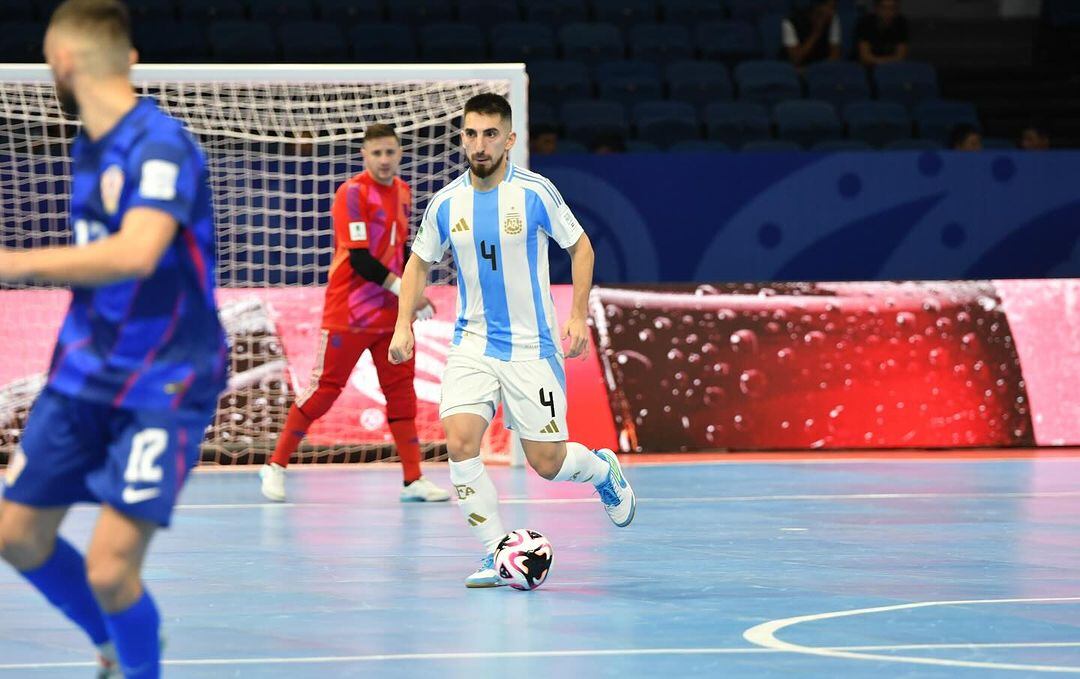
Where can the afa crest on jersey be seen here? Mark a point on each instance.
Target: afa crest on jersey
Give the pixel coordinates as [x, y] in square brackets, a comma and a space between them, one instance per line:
[513, 224]
[112, 184]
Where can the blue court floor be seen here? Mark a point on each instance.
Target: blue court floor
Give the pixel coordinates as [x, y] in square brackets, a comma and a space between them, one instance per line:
[835, 568]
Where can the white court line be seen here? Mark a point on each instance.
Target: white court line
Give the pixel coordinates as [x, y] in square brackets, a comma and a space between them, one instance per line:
[689, 500]
[627, 459]
[494, 655]
[764, 635]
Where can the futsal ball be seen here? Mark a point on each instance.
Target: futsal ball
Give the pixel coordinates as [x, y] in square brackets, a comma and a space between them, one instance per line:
[523, 559]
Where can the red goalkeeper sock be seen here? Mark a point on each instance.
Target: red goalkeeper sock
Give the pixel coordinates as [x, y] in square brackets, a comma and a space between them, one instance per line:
[296, 426]
[408, 445]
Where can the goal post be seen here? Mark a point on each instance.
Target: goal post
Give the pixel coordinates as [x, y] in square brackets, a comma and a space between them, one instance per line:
[279, 139]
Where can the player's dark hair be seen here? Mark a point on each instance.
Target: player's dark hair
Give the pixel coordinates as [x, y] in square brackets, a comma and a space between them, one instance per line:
[108, 19]
[489, 103]
[380, 131]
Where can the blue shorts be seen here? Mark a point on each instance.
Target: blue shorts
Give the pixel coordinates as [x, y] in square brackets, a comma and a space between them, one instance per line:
[80, 451]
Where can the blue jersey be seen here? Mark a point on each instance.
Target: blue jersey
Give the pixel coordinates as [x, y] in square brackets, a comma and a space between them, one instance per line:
[154, 343]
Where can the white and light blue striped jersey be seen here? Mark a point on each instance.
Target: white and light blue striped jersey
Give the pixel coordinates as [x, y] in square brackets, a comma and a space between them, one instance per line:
[499, 240]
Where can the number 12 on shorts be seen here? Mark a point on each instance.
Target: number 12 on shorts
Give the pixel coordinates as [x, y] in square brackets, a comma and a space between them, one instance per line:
[146, 447]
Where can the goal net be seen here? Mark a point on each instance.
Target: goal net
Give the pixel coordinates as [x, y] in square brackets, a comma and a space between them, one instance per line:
[279, 140]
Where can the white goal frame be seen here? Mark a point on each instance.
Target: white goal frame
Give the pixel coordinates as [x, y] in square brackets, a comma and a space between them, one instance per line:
[149, 74]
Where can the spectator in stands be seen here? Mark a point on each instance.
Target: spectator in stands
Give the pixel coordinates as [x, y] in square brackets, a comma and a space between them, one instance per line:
[812, 33]
[543, 139]
[965, 137]
[1035, 137]
[608, 143]
[882, 37]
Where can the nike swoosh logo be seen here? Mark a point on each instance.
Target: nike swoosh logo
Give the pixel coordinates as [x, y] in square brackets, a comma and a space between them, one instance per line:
[132, 496]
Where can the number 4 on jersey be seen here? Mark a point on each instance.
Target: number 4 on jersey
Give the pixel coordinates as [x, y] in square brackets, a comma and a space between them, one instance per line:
[489, 254]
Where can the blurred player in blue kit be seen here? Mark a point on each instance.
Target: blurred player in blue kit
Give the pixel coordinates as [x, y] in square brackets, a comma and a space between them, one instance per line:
[141, 357]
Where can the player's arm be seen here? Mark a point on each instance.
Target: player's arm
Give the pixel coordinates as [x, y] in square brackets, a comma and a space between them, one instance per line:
[429, 246]
[576, 329]
[413, 281]
[132, 252]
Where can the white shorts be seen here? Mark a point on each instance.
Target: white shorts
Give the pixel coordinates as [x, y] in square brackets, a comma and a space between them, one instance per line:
[533, 393]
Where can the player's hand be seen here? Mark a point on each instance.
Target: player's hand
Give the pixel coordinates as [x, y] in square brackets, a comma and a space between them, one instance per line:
[426, 310]
[401, 345]
[577, 331]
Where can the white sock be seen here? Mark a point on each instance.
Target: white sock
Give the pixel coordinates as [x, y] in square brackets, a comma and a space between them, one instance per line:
[479, 501]
[582, 465]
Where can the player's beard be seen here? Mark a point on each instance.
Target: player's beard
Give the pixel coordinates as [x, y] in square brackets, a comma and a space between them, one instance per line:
[485, 172]
[66, 97]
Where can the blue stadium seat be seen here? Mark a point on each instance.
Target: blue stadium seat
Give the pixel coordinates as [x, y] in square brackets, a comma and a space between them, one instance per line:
[692, 12]
[559, 81]
[837, 82]
[234, 41]
[453, 42]
[767, 81]
[279, 12]
[140, 11]
[570, 147]
[771, 146]
[486, 12]
[835, 145]
[167, 42]
[914, 145]
[700, 146]
[542, 114]
[908, 82]
[591, 43]
[555, 13]
[624, 12]
[877, 122]
[313, 41]
[349, 12]
[20, 41]
[699, 82]
[419, 12]
[520, 41]
[752, 9]
[586, 120]
[735, 123]
[661, 43]
[211, 10]
[629, 81]
[729, 41]
[666, 122]
[807, 121]
[381, 43]
[935, 118]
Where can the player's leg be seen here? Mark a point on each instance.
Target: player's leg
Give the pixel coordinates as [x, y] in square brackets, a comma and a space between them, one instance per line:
[396, 382]
[114, 564]
[470, 391]
[149, 456]
[45, 476]
[534, 396]
[334, 363]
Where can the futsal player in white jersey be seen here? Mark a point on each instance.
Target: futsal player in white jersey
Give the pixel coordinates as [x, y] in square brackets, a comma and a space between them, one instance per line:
[497, 220]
